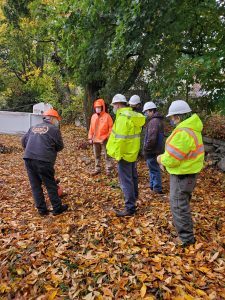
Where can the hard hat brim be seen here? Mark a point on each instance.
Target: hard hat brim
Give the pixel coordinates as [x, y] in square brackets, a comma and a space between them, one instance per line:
[119, 101]
[178, 113]
[58, 118]
[132, 103]
[150, 108]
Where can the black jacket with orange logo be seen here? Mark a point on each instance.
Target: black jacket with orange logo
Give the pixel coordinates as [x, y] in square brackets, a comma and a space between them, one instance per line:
[42, 142]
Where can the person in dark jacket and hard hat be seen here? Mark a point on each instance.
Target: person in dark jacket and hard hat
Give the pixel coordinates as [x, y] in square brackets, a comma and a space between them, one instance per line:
[153, 144]
[42, 143]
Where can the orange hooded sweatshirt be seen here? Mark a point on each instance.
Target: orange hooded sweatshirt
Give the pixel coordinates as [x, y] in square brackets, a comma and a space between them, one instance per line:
[101, 124]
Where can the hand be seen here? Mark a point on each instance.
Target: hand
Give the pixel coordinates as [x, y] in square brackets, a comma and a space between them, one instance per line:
[159, 162]
[162, 167]
[90, 141]
[159, 159]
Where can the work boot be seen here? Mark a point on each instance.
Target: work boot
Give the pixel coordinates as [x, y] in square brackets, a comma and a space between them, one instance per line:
[59, 211]
[124, 213]
[43, 213]
[158, 192]
[188, 243]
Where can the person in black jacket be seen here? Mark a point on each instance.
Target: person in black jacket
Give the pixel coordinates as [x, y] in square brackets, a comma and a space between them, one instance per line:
[41, 144]
[153, 144]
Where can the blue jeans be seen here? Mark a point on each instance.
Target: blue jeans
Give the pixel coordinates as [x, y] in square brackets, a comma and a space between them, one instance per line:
[154, 173]
[129, 183]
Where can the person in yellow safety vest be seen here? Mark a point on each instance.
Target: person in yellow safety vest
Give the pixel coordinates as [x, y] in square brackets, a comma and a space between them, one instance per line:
[183, 159]
[123, 145]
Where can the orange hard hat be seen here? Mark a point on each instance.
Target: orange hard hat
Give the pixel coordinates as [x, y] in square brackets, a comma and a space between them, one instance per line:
[52, 113]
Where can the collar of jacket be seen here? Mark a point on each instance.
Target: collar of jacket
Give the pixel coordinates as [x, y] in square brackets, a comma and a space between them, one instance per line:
[47, 121]
[122, 109]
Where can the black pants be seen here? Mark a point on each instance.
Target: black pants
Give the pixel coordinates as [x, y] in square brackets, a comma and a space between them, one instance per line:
[41, 172]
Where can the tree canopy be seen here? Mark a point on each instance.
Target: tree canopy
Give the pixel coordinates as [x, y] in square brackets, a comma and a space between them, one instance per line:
[106, 47]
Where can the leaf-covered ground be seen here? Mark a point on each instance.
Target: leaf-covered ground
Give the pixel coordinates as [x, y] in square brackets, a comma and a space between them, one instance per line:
[214, 126]
[88, 253]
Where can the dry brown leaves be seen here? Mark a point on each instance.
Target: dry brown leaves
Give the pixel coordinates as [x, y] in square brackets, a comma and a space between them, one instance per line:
[214, 127]
[88, 253]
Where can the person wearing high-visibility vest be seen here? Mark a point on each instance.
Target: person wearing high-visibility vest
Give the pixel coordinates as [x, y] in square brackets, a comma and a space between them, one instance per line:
[123, 145]
[183, 159]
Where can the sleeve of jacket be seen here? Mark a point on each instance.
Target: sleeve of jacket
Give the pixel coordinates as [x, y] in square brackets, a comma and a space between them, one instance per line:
[91, 129]
[59, 145]
[25, 139]
[151, 139]
[176, 149]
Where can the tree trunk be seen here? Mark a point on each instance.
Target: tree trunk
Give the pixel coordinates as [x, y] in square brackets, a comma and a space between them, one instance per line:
[91, 94]
[64, 92]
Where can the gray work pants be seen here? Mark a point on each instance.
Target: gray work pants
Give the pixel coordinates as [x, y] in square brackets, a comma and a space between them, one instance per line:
[181, 188]
[98, 148]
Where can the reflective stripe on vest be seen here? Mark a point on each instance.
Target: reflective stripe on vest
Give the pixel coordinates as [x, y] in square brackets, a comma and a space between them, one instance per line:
[178, 154]
[197, 152]
[121, 136]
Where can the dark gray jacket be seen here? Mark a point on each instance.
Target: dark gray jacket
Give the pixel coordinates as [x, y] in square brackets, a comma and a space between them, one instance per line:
[154, 136]
[42, 142]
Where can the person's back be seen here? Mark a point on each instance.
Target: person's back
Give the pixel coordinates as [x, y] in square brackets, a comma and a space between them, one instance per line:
[42, 142]
[124, 142]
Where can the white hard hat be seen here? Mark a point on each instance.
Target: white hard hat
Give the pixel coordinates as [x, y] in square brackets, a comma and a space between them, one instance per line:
[178, 107]
[149, 105]
[134, 100]
[119, 98]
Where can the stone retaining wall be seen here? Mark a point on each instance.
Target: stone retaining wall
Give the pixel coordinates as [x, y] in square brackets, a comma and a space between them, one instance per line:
[215, 152]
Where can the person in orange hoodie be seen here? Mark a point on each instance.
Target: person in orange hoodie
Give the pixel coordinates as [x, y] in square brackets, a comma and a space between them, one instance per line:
[100, 129]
